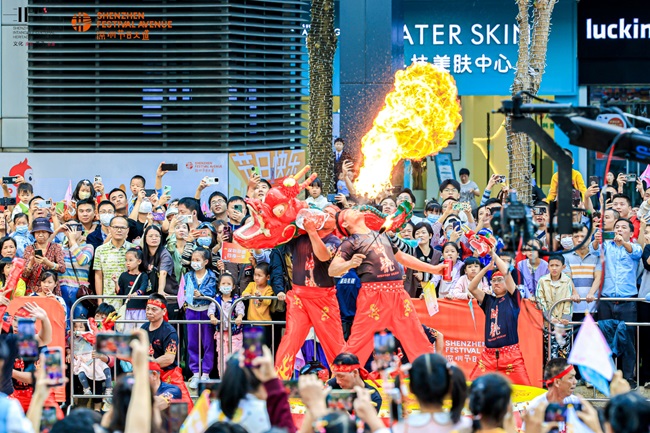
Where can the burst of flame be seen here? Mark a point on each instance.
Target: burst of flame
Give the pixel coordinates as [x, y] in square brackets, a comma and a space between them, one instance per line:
[386, 225]
[419, 118]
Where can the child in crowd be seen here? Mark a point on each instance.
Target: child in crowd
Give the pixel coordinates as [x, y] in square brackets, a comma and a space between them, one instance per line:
[200, 281]
[21, 235]
[450, 251]
[532, 269]
[25, 192]
[316, 198]
[554, 286]
[133, 282]
[341, 185]
[87, 364]
[259, 309]
[49, 287]
[226, 300]
[470, 269]
[432, 211]
[6, 265]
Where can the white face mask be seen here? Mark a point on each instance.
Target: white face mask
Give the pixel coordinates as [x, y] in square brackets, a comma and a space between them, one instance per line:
[83, 195]
[145, 207]
[106, 218]
[567, 243]
[225, 289]
[197, 266]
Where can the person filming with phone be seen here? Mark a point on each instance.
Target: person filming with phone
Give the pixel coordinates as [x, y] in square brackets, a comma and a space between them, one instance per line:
[42, 256]
[348, 374]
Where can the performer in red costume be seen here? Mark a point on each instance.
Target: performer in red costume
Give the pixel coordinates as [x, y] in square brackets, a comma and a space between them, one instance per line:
[502, 353]
[382, 302]
[312, 300]
[163, 344]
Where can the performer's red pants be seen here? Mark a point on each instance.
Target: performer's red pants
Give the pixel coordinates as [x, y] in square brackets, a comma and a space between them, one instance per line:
[386, 305]
[510, 363]
[175, 377]
[307, 307]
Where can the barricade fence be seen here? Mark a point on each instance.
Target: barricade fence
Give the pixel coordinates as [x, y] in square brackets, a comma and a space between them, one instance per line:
[223, 320]
[637, 325]
[176, 323]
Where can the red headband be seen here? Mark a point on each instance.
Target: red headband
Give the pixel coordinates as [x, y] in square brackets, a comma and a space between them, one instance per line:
[154, 366]
[159, 304]
[346, 368]
[560, 375]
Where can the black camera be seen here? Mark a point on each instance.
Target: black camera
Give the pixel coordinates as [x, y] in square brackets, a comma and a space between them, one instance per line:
[513, 223]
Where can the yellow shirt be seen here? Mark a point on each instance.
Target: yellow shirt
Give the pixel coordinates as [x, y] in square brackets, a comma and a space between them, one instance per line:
[20, 288]
[549, 292]
[258, 309]
[576, 179]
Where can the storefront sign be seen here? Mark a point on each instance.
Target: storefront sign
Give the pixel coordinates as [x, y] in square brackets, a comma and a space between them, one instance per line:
[478, 44]
[613, 42]
[271, 165]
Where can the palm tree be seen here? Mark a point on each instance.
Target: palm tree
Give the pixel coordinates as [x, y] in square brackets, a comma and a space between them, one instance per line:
[321, 45]
[528, 77]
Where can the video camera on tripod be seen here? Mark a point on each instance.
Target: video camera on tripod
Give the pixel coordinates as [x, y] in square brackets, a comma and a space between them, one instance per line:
[514, 222]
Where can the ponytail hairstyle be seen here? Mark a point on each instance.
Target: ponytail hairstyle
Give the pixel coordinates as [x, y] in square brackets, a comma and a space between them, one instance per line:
[433, 378]
[137, 252]
[489, 398]
[237, 381]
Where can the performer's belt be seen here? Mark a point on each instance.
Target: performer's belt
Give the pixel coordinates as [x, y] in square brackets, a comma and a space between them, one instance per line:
[310, 292]
[505, 349]
[385, 286]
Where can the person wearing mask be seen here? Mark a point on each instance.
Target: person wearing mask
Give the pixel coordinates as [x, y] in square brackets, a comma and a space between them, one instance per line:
[84, 191]
[110, 259]
[43, 255]
[106, 211]
[21, 235]
[501, 352]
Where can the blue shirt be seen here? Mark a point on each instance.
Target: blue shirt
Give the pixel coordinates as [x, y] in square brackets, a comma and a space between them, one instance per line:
[501, 319]
[347, 290]
[620, 269]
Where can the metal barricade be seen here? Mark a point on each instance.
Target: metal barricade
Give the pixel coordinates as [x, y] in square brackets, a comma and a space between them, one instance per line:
[637, 325]
[176, 323]
[273, 323]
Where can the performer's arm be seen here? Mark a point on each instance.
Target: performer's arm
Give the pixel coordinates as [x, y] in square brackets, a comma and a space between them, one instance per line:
[320, 249]
[413, 263]
[503, 268]
[339, 266]
[476, 281]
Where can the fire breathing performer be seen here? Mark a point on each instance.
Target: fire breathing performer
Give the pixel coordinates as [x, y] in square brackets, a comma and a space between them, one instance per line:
[502, 353]
[312, 300]
[382, 301]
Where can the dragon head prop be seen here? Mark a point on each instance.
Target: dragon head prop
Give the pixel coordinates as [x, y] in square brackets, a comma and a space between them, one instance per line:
[279, 218]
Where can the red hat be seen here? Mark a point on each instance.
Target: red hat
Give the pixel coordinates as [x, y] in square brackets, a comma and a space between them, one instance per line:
[154, 366]
[497, 274]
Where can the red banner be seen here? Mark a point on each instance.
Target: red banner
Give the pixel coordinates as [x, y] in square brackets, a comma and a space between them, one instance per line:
[56, 314]
[234, 253]
[465, 337]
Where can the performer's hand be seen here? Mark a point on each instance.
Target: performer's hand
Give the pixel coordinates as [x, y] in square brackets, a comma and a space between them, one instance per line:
[282, 296]
[263, 366]
[438, 269]
[309, 226]
[356, 260]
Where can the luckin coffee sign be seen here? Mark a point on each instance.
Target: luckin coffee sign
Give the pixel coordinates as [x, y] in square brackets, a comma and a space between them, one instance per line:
[613, 44]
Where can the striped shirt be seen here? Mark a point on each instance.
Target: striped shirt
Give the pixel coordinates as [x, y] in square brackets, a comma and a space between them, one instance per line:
[582, 271]
[77, 266]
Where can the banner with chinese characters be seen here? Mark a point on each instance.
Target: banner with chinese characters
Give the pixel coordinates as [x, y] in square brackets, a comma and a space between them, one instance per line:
[271, 165]
[234, 253]
[477, 43]
[465, 337]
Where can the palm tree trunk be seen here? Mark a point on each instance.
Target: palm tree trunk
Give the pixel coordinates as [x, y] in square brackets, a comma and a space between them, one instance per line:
[530, 69]
[321, 45]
